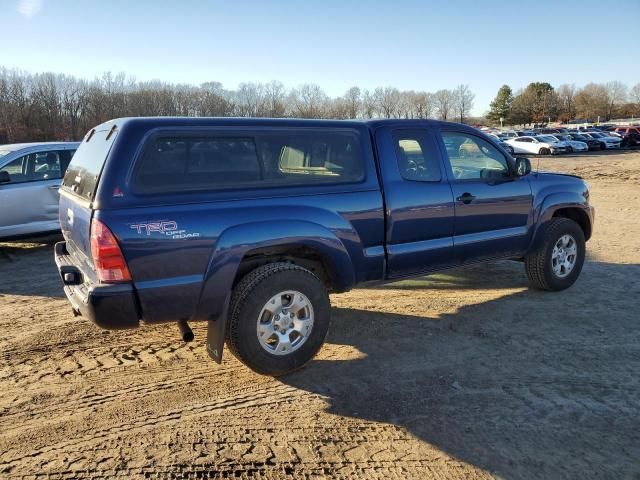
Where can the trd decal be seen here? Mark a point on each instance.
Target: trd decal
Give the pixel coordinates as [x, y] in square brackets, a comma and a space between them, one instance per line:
[164, 227]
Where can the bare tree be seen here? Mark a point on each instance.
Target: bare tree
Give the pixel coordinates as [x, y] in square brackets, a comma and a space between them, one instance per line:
[250, 100]
[462, 101]
[368, 104]
[309, 101]
[406, 105]
[387, 101]
[73, 97]
[592, 102]
[634, 95]
[616, 94]
[353, 101]
[423, 104]
[444, 103]
[566, 101]
[55, 106]
[275, 99]
[214, 100]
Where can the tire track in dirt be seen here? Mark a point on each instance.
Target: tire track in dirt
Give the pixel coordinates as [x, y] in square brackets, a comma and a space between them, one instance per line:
[90, 401]
[263, 397]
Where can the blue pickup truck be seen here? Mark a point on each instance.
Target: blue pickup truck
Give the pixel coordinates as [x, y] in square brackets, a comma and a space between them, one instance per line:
[249, 224]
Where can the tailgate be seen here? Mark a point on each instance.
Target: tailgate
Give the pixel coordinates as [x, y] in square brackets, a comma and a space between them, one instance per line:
[75, 223]
[78, 190]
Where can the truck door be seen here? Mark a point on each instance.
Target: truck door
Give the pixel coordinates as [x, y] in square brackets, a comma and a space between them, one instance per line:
[493, 206]
[418, 201]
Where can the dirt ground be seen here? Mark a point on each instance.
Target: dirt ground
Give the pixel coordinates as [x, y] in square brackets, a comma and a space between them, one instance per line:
[467, 374]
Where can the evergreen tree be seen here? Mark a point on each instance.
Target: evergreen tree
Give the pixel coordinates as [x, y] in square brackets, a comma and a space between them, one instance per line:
[501, 106]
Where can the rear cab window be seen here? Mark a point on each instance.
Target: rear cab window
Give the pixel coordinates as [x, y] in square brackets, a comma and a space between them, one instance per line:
[416, 156]
[86, 164]
[218, 161]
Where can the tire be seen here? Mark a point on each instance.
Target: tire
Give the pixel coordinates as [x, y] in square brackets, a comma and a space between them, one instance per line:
[569, 149]
[603, 146]
[539, 264]
[248, 312]
[544, 151]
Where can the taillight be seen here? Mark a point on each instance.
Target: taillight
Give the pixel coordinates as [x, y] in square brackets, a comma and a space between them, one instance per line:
[107, 256]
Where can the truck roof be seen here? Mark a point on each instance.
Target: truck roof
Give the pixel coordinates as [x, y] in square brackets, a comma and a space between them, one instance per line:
[252, 121]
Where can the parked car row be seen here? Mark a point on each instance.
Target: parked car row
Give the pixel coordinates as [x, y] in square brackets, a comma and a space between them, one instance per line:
[553, 141]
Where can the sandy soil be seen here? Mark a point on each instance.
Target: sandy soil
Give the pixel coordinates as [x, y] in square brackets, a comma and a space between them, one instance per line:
[467, 374]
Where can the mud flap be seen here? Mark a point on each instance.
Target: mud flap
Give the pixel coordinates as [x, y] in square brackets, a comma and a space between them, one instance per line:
[216, 330]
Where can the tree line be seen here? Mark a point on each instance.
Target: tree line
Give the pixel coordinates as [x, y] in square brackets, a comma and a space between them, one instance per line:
[540, 102]
[51, 106]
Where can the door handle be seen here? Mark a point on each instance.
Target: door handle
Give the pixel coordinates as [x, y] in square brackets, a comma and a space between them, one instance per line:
[54, 187]
[466, 198]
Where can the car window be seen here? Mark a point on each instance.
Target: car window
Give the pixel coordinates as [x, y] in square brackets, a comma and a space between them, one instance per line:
[187, 162]
[473, 158]
[47, 166]
[35, 167]
[415, 155]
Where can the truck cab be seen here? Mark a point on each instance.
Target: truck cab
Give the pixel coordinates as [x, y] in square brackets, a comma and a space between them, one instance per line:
[249, 224]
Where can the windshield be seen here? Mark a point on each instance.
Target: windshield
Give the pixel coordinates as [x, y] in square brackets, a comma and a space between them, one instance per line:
[547, 138]
[596, 134]
[577, 136]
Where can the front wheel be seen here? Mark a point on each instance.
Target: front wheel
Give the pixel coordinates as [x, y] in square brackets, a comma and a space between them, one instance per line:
[544, 151]
[278, 318]
[558, 261]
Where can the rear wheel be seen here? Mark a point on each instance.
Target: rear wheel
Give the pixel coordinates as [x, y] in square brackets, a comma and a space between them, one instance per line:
[279, 317]
[557, 263]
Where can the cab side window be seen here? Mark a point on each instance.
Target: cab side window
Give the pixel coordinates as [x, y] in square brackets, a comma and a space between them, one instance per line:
[473, 158]
[417, 160]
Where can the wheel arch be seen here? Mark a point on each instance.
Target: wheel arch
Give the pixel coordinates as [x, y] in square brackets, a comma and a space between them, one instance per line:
[310, 257]
[569, 205]
[307, 244]
[578, 215]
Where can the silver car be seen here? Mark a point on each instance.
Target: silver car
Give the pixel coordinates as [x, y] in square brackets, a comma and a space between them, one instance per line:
[30, 175]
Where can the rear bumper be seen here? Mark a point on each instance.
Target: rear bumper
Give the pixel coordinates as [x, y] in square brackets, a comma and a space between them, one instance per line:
[112, 307]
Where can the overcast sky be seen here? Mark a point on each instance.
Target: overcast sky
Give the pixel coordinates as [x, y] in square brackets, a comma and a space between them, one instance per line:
[415, 45]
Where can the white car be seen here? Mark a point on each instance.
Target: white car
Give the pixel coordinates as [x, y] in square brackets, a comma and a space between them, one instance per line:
[574, 145]
[606, 141]
[541, 145]
[30, 175]
[508, 134]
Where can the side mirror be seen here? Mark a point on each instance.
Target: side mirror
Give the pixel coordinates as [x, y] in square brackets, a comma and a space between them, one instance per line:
[4, 177]
[523, 166]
